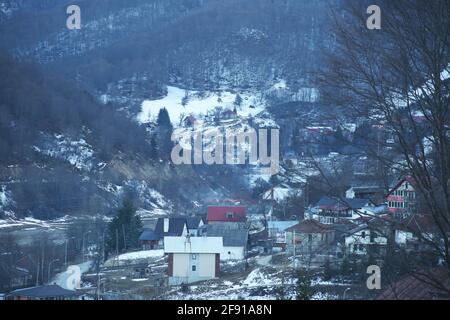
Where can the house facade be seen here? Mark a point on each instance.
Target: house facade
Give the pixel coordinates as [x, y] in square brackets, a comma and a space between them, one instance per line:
[402, 198]
[364, 240]
[192, 259]
[165, 227]
[309, 236]
[332, 210]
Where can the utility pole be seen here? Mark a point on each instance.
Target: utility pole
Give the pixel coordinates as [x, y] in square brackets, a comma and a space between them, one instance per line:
[124, 238]
[65, 251]
[37, 270]
[84, 235]
[117, 242]
[294, 264]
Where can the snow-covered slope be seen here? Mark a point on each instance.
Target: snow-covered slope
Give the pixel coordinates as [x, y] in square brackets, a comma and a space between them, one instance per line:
[180, 103]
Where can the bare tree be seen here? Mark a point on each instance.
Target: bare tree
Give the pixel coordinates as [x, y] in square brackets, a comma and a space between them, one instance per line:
[392, 77]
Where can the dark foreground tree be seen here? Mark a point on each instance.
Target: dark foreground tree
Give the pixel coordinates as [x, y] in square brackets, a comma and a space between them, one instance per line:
[392, 77]
[125, 228]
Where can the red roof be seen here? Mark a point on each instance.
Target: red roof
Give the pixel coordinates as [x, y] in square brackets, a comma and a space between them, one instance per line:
[226, 213]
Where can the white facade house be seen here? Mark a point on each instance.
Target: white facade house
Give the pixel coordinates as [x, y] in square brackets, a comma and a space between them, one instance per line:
[363, 241]
[277, 230]
[192, 259]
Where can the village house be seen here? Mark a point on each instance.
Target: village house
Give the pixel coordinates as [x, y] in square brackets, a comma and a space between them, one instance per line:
[189, 121]
[220, 214]
[192, 259]
[409, 231]
[402, 198]
[194, 224]
[309, 236]
[365, 240]
[149, 240]
[277, 232]
[154, 239]
[373, 193]
[332, 210]
[235, 240]
[173, 226]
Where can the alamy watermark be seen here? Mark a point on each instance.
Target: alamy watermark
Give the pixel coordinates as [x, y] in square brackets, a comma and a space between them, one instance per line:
[216, 146]
[74, 19]
[374, 280]
[374, 20]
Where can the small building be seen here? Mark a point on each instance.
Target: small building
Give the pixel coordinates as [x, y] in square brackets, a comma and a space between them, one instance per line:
[189, 121]
[309, 236]
[333, 210]
[373, 193]
[47, 292]
[365, 240]
[226, 214]
[235, 240]
[174, 227]
[410, 232]
[194, 224]
[149, 240]
[192, 259]
[277, 231]
[402, 198]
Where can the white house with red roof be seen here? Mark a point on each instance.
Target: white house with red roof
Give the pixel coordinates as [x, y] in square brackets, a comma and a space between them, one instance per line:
[402, 199]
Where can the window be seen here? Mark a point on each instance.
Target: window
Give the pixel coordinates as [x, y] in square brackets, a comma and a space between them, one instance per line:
[355, 247]
[363, 234]
[230, 215]
[194, 256]
[194, 268]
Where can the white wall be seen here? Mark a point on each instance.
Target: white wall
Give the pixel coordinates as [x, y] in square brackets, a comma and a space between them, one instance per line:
[232, 253]
[182, 267]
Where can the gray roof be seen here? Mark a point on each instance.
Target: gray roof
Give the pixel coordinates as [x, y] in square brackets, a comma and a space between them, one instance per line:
[50, 291]
[343, 203]
[148, 235]
[231, 237]
[193, 222]
[176, 226]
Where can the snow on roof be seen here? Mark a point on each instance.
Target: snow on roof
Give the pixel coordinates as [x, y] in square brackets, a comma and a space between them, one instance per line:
[281, 225]
[193, 244]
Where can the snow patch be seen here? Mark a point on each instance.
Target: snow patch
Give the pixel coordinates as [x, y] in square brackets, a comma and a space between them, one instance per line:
[181, 103]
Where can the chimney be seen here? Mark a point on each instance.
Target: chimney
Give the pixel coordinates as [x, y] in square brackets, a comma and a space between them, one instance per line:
[166, 224]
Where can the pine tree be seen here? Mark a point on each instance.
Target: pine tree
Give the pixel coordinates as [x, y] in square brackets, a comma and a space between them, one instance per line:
[164, 134]
[153, 148]
[304, 289]
[125, 228]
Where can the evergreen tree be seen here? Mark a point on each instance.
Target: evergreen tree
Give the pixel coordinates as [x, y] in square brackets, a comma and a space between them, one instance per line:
[153, 148]
[164, 134]
[125, 228]
[304, 289]
[327, 271]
